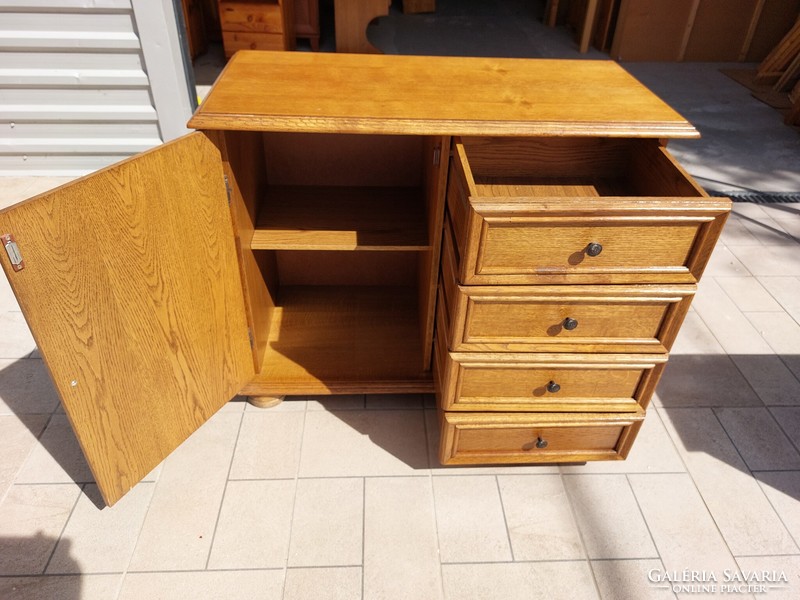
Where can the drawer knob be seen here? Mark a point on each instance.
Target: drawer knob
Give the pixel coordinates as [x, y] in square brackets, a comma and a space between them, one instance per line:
[570, 323]
[553, 387]
[594, 249]
[541, 442]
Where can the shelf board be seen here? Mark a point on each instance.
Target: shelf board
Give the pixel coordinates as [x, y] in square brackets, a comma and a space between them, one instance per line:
[341, 218]
[343, 339]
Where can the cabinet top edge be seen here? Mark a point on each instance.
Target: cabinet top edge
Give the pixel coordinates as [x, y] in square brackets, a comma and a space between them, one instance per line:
[421, 95]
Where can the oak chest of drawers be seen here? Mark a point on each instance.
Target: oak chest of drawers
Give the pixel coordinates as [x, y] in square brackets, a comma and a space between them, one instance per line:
[484, 229]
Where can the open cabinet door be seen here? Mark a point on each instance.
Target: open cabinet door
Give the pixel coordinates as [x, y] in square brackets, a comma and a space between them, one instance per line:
[131, 287]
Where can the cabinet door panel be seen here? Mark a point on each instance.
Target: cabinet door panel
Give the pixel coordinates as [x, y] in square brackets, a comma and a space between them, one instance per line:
[132, 290]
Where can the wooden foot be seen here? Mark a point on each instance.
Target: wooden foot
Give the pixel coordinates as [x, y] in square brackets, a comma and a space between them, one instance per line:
[265, 401]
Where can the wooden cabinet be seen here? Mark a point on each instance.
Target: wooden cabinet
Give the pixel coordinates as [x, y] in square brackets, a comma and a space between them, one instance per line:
[257, 25]
[393, 228]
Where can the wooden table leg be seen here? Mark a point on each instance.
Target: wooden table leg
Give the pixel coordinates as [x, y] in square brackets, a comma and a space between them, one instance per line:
[265, 401]
[352, 18]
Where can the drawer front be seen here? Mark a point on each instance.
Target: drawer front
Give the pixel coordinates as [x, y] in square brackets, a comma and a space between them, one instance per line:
[478, 381]
[560, 318]
[234, 41]
[486, 438]
[251, 17]
[508, 233]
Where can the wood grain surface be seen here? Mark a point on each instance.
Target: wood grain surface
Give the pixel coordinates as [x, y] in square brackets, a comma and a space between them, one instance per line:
[133, 294]
[324, 92]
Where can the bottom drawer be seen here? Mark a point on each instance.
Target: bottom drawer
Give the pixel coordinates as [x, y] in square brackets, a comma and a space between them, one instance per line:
[491, 438]
[240, 40]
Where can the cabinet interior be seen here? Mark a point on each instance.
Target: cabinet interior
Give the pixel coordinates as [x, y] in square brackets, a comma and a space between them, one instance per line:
[343, 230]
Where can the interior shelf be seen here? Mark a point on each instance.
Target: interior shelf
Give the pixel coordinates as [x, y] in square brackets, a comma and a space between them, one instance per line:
[341, 218]
[343, 339]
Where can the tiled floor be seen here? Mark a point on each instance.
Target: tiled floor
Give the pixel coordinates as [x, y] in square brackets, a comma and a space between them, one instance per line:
[343, 497]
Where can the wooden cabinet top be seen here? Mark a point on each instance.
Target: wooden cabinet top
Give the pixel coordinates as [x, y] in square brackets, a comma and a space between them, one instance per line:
[352, 93]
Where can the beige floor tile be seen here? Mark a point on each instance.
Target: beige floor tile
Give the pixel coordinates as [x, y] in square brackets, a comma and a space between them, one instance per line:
[724, 263]
[704, 380]
[17, 189]
[354, 443]
[57, 458]
[740, 509]
[736, 233]
[178, 529]
[748, 294]
[254, 525]
[788, 566]
[782, 333]
[60, 587]
[540, 521]
[268, 445]
[432, 424]
[17, 439]
[204, 585]
[473, 500]
[234, 405]
[789, 420]
[765, 229]
[8, 303]
[652, 452]
[770, 378]
[695, 337]
[782, 212]
[683, 530]
[401, 558]
[728, 324]
[384, 401]
[16, 341]
[769, 261]
[31, 520]
[327, 525]
[603, 503]
[565, 580]
[26, 387]
[338, 402]
[628, 580]
[783, 490]
[786, 290]
[759, 439]
[101, 540]
[343, 583]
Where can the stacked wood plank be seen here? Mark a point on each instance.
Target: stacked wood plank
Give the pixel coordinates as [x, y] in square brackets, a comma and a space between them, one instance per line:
[782, 66]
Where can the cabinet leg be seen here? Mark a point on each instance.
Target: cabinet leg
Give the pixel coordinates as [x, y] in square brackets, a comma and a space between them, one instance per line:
[265, 401]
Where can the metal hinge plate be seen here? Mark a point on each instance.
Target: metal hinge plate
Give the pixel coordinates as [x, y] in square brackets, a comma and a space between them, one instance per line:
[252, 340]
[14, 255]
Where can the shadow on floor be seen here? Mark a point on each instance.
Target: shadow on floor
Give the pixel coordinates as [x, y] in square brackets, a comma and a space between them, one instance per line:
[17, 553]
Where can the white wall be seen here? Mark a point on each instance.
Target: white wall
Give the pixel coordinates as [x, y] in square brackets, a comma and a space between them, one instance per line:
[85, 83]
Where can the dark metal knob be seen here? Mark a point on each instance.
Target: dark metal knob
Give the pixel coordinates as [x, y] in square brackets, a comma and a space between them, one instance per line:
[594, 249]
[541, 442]
[553, 387]
[570, 324]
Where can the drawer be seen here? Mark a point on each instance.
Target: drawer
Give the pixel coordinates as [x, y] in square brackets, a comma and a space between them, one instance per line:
[252, 17]
[234, 41]
[486, 438]
[553, 318]
[578, 210]
[494, 381]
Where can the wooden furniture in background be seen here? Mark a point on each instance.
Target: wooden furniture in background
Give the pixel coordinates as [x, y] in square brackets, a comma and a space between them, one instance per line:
[793, 116]
[351, 21]
[194, 21]
[257, 25]
[306, 21]
[294, 246]
[412, 7]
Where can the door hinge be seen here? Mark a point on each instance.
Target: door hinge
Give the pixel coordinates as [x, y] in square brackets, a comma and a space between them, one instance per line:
[252, 340]
[437, 155]
[14, 255]
[227, 189]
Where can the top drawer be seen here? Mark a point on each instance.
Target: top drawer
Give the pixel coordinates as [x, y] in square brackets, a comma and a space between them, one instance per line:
[578, 210]
[253, 17]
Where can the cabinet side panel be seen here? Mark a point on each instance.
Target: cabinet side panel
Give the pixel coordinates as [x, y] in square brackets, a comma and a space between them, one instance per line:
[131, 288]
[243, 162]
